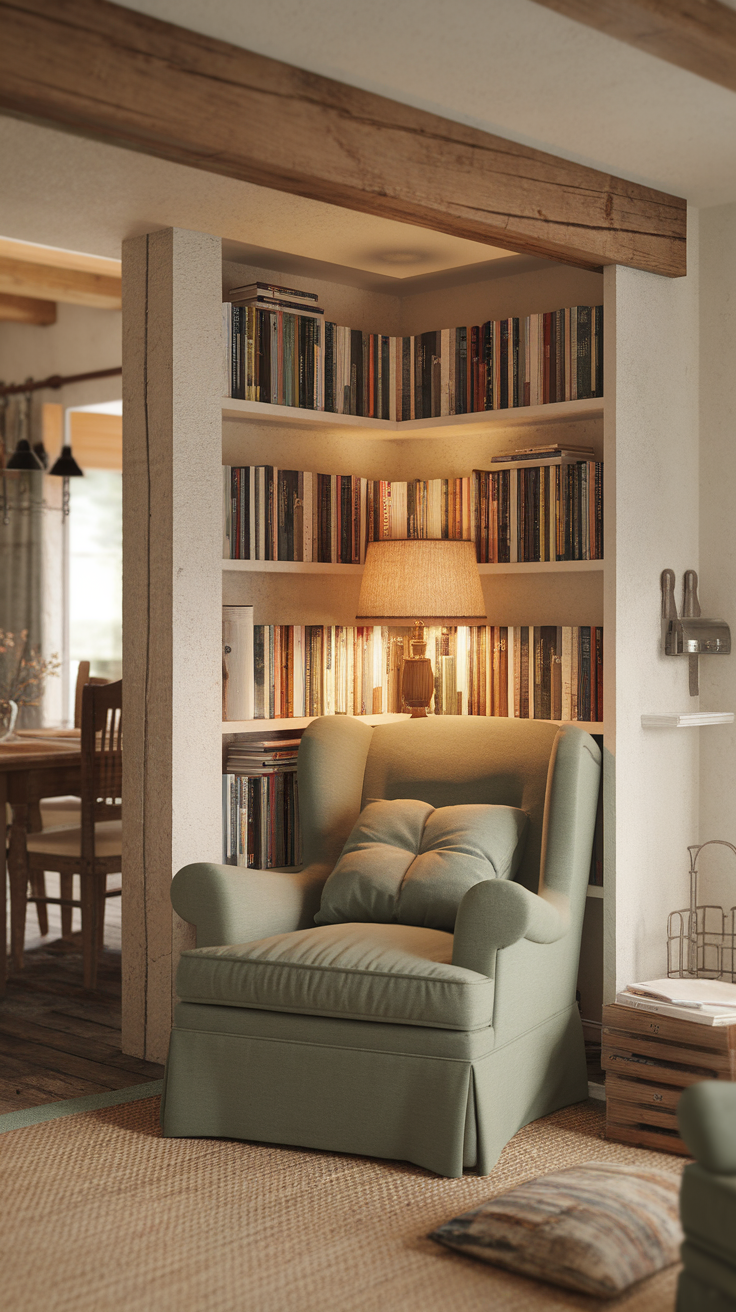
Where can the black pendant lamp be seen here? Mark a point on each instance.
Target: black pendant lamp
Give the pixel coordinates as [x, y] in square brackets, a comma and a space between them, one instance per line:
[24, 457]
[66, 467]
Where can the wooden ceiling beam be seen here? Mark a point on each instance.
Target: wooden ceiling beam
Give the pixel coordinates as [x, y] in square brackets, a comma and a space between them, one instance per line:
[698, 35]
[110, 73]
[26, 309]
[75, 286]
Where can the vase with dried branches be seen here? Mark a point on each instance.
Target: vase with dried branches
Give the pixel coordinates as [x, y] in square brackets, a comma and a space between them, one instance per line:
[23, 673]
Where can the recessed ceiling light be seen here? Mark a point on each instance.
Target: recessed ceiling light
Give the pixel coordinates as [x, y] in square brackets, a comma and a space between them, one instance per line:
[403, 257]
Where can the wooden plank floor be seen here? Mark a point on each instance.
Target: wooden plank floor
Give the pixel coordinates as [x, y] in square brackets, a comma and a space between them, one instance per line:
[58, 1040]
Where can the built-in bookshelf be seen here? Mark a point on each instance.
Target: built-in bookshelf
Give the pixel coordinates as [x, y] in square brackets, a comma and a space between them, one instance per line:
[531, 416]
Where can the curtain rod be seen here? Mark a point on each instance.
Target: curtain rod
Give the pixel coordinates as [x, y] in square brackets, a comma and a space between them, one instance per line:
[56, 380]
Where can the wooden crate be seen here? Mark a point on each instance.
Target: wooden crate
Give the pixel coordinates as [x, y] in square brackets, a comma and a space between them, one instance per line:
[649, 1060]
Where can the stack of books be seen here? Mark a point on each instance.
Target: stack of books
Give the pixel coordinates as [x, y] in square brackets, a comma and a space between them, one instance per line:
[544, 673]
[261, 756]
[703, 1001]
[260, 820]
[272, 340]
[278, 349]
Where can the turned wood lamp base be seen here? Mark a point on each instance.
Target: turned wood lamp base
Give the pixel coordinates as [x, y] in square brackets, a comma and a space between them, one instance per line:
[417, 687]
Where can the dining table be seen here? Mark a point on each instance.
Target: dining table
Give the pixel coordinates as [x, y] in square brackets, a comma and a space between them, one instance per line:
[34, 764]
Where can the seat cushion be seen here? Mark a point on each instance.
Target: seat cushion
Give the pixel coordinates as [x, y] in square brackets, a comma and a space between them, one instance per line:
[396, 973]
[66, 840]
[410, 863]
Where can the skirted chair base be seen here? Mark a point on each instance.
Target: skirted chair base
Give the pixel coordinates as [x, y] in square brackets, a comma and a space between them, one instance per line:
[442, 1099]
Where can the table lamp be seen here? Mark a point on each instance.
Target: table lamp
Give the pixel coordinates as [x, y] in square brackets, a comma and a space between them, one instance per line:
[413, 581]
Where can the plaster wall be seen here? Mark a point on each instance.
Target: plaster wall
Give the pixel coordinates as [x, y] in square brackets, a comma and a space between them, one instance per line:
[82, 339]
[652, 523]
[717, 548]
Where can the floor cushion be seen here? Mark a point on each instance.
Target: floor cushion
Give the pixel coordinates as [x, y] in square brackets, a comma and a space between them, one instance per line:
[597, 1228]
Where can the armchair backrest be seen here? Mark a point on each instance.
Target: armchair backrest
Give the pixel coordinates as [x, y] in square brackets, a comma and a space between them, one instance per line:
[444, 760]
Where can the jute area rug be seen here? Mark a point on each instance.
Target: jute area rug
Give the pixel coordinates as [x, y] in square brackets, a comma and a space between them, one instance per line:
[103, 1215]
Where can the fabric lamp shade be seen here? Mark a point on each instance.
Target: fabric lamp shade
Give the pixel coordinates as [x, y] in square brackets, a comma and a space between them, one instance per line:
[421, 579]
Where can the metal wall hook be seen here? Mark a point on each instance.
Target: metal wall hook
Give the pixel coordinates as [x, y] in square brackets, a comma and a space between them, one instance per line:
[690, 634]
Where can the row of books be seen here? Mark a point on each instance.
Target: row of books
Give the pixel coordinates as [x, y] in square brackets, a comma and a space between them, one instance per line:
[551, 511]
[536, 512]
[287, 514]
[260, 819]
[279, 349]
[543, 672]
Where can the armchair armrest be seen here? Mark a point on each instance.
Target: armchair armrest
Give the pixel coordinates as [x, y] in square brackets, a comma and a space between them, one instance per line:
[496, 913]
[235, 904]
[706, 1114]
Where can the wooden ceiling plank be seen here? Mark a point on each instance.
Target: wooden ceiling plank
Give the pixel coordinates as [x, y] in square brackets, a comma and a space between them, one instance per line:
[107, 72]
[75, 286]
[26, 309]
[697, 35]
[58, 259]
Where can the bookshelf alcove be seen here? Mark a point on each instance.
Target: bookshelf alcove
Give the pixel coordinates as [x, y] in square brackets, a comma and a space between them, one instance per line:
[286, 592]
[176, 580]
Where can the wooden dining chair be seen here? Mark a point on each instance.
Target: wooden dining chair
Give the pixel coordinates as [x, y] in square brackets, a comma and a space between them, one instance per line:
[92, 849]
[55, 811]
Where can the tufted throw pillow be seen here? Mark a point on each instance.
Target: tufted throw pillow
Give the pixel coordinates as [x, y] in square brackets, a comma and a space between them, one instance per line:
[598, 1228]
[408, 863]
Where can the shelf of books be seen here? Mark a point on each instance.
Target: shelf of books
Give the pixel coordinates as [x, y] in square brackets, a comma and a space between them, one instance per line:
[544, 507]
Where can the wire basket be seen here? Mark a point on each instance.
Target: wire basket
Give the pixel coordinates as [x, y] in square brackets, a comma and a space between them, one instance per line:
[701, 939]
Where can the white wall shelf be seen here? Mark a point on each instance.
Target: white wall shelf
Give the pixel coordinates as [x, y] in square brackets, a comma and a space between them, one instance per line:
[290, 567]
[262, 727]
[445, 425]
[322, 567]
[687, 720]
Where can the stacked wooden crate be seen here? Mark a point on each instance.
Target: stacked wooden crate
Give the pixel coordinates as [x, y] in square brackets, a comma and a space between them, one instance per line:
[649, 1059]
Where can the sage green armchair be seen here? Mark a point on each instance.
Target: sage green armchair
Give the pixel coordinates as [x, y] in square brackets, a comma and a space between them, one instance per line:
[393, 1040]
[707, 1116]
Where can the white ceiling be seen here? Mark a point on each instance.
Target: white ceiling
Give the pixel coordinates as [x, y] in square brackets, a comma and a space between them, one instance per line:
[509, 66]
